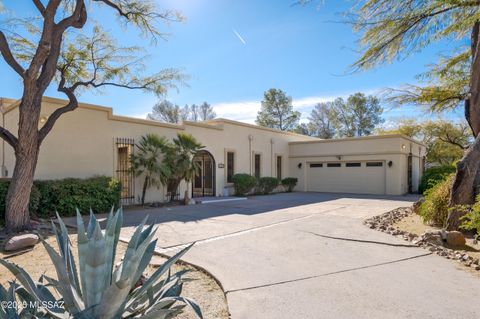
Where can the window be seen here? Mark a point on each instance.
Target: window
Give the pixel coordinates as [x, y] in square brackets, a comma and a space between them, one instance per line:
[353, 164]
[374, 164]
[230, 166]
[316, 165]
[257, 165]
[279, 167]
[334, 165]
[123, 171]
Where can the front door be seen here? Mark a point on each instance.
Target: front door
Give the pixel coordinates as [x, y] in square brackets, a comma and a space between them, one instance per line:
[204, 182]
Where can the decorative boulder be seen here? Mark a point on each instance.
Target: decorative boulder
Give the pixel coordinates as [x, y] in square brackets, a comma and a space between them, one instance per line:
[455, 238]
[21, 242]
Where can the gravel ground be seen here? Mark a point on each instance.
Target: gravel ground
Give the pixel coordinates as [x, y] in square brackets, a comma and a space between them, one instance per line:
[404, 223]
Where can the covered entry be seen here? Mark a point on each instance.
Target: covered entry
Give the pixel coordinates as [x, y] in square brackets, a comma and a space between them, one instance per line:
[204, 183]
[364, 177]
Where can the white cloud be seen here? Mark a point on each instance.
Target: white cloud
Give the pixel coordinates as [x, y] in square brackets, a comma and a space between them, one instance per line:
[246, 111]
[243, 111]
[142, 116]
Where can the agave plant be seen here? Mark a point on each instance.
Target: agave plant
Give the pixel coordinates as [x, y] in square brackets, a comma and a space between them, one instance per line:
[10, 303]
[99, 289]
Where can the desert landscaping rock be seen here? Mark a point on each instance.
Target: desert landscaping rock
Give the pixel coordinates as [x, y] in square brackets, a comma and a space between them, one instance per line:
[433, 240]
[455, 238]
[21, 242]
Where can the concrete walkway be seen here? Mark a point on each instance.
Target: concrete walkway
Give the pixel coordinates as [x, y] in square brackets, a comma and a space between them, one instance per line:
[269, 254]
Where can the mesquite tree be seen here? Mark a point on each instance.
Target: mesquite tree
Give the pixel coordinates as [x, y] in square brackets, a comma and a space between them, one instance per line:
[392, 29]
[61, 46]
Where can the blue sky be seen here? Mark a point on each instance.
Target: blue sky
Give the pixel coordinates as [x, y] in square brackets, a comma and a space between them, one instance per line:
[235, 50]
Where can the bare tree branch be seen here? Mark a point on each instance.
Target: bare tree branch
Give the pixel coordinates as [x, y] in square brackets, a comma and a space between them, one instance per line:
[76, 20]
[125, 86]
[128, 14]
[8, 56]
[52, 119]
[142, 14]
[40, 7]
[45, 43]
[450, 140]
[8, 137]
[114, 6]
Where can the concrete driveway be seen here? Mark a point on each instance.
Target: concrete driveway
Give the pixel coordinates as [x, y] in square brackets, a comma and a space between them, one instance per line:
[271, 256]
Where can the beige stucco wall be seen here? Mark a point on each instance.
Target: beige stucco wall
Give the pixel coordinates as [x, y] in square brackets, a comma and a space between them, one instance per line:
[82, 144]
[245, 141]
[395, 148]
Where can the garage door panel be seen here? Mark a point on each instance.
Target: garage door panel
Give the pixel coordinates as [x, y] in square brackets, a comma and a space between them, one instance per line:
[356, 179]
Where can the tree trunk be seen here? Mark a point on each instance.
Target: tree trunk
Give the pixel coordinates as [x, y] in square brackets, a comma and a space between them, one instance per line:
[26, 155]
[173, 186]
[465, 184]
[144, 190]
[464, 188]
[186, 199]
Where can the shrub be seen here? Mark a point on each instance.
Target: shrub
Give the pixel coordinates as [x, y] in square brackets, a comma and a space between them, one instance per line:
[243, 183]
[434, 210]
[100, 193]
[266, 185]
[433, 175]
[290, 183]
[471, 220]
[34, 198]
[96, 288]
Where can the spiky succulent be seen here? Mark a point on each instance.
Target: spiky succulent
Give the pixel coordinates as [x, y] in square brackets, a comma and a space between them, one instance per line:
[99, 289]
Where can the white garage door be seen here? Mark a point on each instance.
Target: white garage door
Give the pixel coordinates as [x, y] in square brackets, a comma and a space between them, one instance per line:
[347, 177]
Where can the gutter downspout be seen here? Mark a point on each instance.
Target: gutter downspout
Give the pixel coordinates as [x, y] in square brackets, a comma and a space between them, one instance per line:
[250, 152]
[272, 161]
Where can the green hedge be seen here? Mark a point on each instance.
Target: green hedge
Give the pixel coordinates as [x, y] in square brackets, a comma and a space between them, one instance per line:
[266, 185]
[433, 176]
[290, 183]
[99, 193]
[243, 183]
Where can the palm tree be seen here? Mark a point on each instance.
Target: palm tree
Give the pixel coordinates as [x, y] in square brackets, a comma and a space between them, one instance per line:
[179, 157]
[148, 162]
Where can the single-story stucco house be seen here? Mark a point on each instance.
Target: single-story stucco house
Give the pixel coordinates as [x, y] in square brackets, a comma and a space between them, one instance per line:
[93, 141]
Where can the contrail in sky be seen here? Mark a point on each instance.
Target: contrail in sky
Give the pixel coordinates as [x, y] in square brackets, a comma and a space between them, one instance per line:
[239, 36]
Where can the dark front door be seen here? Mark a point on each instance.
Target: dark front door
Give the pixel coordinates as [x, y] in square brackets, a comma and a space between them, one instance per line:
[204, 182]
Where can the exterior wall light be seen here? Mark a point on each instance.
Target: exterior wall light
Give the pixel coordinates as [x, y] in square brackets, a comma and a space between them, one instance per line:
[43, 119]
[299, 165]
[390, 163]
[403, 146]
